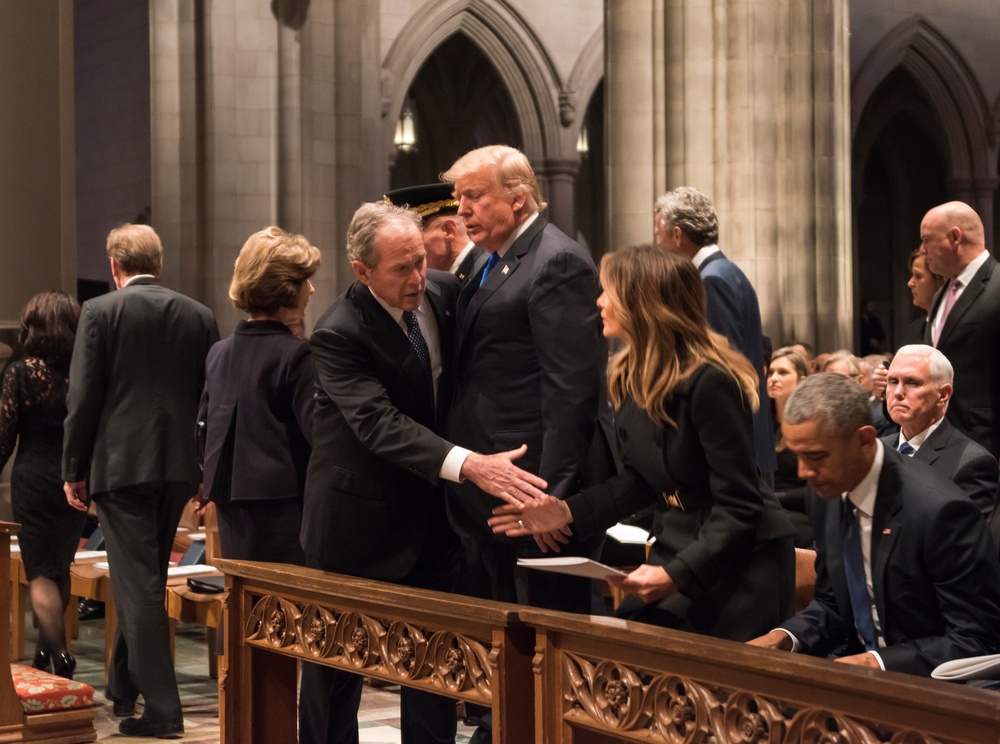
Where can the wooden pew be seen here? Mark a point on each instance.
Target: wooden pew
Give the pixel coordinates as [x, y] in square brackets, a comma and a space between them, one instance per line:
[16, 724]
[277, 615]
[606, 680]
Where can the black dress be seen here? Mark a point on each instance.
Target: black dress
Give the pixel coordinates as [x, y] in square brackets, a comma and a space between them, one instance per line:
[34, 406]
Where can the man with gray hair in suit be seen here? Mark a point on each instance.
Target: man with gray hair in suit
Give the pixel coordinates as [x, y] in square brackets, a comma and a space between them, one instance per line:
[920, 386]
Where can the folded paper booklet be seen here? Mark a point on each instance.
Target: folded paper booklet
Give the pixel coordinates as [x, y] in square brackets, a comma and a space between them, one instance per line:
[190, 570]
[572, 565]
[83, 555]
[975, 667]
[628, 534]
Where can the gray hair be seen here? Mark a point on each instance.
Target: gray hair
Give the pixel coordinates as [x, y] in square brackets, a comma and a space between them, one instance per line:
[370, 218]
[837, 403]
[940, 368]
[692, 212]
[843, 356]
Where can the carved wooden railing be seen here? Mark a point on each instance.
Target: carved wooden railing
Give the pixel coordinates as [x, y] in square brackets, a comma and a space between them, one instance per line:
[601, 680]
[556, 678]
[277, 614]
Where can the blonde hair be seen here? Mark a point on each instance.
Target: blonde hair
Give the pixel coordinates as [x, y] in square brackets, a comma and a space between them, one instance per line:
[507, 165]
[659, 301]
[270, 270]
[136, 249]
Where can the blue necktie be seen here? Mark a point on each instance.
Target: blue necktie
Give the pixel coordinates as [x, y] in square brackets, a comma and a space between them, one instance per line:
[419, 346]
[906, 449]
[492, 261]
[854, 570]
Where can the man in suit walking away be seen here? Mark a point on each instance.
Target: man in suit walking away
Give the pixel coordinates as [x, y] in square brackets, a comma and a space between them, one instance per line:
[373, 505]
[918, 392]
[686, 222]
[965, 317]
[907, 576]
[138, 369]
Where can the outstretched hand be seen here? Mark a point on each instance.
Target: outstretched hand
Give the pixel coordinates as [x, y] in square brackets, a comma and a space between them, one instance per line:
[547, 520]
[499, 476]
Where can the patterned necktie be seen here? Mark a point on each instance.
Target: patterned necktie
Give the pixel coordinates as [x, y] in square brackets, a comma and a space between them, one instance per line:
[490, 263]
[419, 346]
[949, 303]
[854, 570]
[906, 449]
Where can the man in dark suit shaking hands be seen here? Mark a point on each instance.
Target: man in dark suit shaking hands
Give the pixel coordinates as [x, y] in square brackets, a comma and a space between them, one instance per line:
[138, 370]
[373, 503]
[917, 394]
[965, 317]
[906, 574]
[530, 368]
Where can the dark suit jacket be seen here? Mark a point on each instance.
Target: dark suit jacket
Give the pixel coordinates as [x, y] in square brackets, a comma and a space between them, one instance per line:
[971, 341]
[734, 312]
[934, 569]
[530, 369]
[258, 396]
[707, 542]
[968, 465]
[137, 373]
[466, 269]
[372, 488]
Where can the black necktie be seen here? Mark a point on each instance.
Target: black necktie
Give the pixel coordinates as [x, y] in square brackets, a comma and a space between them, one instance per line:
[419, 346]
[490, 263]
[854, 570]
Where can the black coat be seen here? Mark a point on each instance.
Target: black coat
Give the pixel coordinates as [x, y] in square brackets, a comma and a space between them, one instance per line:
[710, 513]
[258, 396]
[373, 497]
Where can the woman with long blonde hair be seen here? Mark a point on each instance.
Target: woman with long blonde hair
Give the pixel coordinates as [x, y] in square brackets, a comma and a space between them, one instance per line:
[722, 562]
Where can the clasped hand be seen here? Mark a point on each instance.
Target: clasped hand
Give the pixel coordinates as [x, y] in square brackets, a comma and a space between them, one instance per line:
[546, 519]
[498, 476]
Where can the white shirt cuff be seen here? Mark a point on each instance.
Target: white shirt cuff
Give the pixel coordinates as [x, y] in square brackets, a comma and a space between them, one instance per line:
[878, 658]
[451, 468]
[796, 646]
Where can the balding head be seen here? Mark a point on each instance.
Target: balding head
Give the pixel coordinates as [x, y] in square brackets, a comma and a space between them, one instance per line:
[951, 236]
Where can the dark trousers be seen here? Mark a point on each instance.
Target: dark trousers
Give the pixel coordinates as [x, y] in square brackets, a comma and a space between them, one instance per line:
[329, 698]
[139, 526]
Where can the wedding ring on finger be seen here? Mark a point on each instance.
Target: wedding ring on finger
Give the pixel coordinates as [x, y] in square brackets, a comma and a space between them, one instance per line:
[520, 524]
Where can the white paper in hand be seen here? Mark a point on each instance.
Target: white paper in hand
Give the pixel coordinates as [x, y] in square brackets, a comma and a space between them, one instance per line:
[572, 565]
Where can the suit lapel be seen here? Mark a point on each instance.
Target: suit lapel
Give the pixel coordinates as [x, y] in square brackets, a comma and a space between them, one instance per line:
[976, 287]
[475, 297]
[835, 560]
[935, 445]
[387, 334]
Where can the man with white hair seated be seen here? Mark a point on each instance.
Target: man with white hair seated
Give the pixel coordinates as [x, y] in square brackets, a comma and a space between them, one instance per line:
[919, 388]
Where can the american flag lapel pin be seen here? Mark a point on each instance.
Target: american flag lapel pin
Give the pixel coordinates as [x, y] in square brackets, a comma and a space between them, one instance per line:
[887, 531]
[505, 269]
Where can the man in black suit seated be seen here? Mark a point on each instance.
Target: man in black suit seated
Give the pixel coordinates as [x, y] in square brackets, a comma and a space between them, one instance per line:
[445, 237]
[138, 370]
[907, 576]
[373, 504]
[919, 390]
[965, 317]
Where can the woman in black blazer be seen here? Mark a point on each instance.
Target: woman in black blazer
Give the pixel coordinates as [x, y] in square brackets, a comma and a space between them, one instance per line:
[722, 562]
[257, 404]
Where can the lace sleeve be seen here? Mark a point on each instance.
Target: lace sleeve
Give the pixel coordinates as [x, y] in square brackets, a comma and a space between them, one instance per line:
[9, 413]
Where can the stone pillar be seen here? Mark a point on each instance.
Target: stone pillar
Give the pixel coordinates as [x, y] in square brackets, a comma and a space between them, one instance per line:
[557, 180]
[747, 101]
[37, 159]
[633, 65]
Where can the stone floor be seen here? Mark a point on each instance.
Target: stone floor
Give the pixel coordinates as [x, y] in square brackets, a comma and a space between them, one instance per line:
[379, 716]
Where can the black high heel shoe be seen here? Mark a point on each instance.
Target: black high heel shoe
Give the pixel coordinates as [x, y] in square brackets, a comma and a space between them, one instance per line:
[64, 664]
[43, 659]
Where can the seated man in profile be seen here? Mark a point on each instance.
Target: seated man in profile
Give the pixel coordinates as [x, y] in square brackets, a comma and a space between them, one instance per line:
[907, 576]
[919, 390]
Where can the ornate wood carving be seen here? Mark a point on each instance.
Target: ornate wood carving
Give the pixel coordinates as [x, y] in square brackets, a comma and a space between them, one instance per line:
[635, 704]
[441, 659]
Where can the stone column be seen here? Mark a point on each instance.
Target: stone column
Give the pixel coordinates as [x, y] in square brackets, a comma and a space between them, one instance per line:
[557, 180]
[633, 65]
[746, 100]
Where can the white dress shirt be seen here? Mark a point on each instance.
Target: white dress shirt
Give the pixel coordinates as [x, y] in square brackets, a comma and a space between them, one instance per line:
[965, 278]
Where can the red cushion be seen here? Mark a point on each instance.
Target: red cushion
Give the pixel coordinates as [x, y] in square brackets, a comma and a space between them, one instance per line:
[41, 692]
